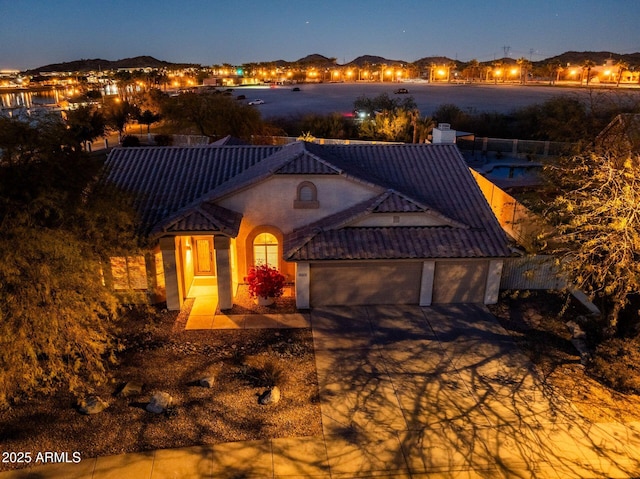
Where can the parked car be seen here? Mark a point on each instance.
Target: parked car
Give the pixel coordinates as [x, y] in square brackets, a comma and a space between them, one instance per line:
[401, 91]
[241, 97]
[257, 101]
[295, 89]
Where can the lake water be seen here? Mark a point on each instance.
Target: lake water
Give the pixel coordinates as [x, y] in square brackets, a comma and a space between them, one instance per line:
[30, 99]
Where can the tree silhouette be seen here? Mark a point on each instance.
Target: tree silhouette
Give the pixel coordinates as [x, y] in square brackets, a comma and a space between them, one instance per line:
[58, 229]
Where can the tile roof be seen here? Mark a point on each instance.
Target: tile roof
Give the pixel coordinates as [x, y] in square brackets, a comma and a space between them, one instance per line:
[388, 202]
[434, 175]
[175, 189]
[333, 238]
[163, 180]
[204, 217]
[307, 164]
[404, 242]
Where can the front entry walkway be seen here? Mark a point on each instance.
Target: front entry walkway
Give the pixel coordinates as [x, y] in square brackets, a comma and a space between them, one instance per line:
[204, 314]
[204, 293]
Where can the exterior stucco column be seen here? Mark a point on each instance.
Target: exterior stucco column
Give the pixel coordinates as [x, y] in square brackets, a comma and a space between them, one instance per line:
[303, 282]
[426, 283]
[222, 246]
[494, 274]
[170, 265]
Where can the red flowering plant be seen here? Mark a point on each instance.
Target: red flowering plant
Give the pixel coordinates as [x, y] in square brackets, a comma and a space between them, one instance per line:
[265, 282]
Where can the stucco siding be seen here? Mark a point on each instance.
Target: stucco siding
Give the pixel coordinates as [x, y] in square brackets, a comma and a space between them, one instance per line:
[271, 202]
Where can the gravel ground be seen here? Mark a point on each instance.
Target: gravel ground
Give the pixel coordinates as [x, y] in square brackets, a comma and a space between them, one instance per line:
[164, 357]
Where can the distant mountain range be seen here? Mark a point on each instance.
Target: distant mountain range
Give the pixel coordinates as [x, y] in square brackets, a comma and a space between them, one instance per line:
[98, 64]
[572, 57]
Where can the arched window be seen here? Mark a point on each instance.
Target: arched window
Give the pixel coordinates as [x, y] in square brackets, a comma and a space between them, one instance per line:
[265, 250]
[306, 196]
[306, 193]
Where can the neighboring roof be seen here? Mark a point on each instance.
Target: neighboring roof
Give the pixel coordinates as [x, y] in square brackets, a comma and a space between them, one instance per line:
[176, 189]
[228, 141]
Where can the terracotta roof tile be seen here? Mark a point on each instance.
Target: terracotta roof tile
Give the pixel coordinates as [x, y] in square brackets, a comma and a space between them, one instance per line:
[174, 187]
[163, 180]
[307, 164]
[206, 217]
[395, 243]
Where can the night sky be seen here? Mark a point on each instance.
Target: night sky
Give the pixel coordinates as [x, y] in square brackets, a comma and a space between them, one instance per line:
[34, 33]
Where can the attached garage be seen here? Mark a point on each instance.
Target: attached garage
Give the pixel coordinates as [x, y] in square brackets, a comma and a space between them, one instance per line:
[460, 281]
[365, 283]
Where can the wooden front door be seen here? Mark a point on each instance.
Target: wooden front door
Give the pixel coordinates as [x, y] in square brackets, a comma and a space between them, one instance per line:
[204, 263]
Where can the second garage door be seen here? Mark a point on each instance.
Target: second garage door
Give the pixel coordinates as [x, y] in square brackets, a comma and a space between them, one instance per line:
[460, 281]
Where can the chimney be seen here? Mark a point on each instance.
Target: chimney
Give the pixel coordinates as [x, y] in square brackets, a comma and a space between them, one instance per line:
[444, 135]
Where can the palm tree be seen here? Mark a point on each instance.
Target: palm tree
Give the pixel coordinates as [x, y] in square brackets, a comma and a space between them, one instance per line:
[497, 67]
[487, 70]
[432, 69]
[622, 67]
[451, 66]
[554, 69]
[587, 66]
[525, 66]
[474, 67]
[422, 126]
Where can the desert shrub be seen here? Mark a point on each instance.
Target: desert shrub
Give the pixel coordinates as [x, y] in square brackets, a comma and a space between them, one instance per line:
[617, 363]
[272, 374]
[130, 140]
[163, 140]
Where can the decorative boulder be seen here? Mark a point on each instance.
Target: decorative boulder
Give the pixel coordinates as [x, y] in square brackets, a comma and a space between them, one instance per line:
[208, 382]
[132, 388]
[270, 396]
[579, 340]
[92, 405]
[159, 402]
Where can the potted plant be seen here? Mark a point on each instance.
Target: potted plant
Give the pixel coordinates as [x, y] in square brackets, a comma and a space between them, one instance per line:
[265, 284]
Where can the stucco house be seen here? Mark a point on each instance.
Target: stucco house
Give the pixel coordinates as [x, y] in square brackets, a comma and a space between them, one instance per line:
[346, 224]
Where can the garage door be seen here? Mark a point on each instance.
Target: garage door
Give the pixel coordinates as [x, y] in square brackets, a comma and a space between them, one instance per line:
[460, 281]
[369, 283]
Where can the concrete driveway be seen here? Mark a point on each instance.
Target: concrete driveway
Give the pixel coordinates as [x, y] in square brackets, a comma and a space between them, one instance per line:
[443, 391]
